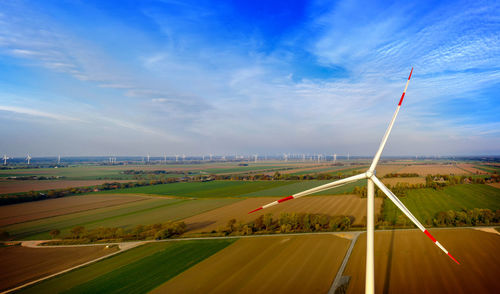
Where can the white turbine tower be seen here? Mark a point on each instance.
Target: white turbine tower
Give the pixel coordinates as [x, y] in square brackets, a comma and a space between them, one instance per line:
[176, 157]
[147, 158]
[5, 157]
[372, 180]
[28, 158]
[58, 159]
[255, 157]
[335, 158]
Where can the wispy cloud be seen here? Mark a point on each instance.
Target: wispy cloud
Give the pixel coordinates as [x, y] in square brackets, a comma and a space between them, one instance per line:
[38, 113]
[195, 73]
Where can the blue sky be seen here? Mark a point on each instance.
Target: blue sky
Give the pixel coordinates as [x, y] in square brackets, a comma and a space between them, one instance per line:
[226, 77]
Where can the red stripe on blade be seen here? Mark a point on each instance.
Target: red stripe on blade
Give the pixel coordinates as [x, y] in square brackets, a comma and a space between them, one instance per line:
[410, 73]
[453, 258]
[430, 236]
[401, 100]
[255, 210]
[285, 199]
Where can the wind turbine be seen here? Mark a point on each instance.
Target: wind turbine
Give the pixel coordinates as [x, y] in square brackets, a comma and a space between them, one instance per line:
[58, 159]
[28, 158]
[369, 175]
[5, 157]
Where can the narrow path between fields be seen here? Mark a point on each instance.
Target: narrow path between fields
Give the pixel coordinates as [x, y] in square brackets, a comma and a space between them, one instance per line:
[338, 278]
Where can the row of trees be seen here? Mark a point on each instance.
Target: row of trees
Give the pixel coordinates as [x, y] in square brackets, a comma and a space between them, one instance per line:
[288, 223]
[467, 217]
[141, 232]
[401, 175]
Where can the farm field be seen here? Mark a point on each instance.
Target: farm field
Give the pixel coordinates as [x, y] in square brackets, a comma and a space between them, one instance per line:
[138, 270]
[17, 186]
[128, 215]
[471, 168]
[425, 203]
[286, 264]
[394, 181]
[384, 169]
[204, 189]
[332, 205]
[432, 169]
[216, 189]
[21, 265]
[28, 211]
[408, 262]
[298, 186]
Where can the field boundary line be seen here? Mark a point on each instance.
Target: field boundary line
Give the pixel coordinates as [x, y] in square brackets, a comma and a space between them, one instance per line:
[122, 249]
[338, 277]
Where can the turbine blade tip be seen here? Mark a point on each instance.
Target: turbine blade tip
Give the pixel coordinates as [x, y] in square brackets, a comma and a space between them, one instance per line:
[255, 210]
[453, 258]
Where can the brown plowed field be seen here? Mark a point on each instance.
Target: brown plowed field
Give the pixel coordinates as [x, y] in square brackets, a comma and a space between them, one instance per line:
[17, 186]
[20, 265]
[384, 169]
[432, 169]
[22, 212]
[394, 181]
[332, 205]
[408, 262]
[288, 264]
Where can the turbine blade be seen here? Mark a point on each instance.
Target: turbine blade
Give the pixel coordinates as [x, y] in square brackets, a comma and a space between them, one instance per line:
[405, 210]
[389, 128]
[315, 190]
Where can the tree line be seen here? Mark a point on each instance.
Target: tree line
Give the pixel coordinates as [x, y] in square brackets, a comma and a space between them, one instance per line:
[159, 231]
[288, 223]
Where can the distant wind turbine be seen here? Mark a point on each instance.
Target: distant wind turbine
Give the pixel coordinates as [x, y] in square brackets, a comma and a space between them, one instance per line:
[5, 157]
[28, 158]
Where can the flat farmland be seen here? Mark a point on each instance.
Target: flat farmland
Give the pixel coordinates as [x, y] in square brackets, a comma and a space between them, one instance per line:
[128, 215]
[17, 186]
[28, 211]
[471, 168]
[412, 180]
[331, 205]
[409, 262]
[299, 186]
[212, 189]
[21, 265]
[425, 203]
[432, 169]
[286, 264]
[138, 270]
[384, 169]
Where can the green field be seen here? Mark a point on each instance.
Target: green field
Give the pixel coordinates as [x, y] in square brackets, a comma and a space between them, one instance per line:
[150, 211]
[71, 173]
[211, 189]
[333, 170]
[298, 186]
[138, 270]
[242, 169]
[425, 203]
